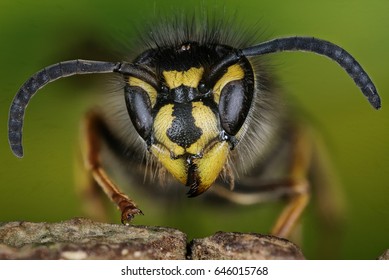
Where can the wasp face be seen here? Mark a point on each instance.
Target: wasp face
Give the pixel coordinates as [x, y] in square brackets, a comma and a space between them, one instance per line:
[190, 122]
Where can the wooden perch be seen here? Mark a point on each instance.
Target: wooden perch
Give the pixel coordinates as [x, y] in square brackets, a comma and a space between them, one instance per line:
[85, 239]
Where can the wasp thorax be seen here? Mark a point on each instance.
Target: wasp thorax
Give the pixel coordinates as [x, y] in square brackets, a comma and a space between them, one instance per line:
[183, 101]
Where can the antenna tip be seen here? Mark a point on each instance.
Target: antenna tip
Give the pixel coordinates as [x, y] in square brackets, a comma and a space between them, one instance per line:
[375, 101]
[17, 150]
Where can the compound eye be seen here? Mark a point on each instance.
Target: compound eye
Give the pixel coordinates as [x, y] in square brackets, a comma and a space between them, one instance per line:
[234, 105]
[139, 108]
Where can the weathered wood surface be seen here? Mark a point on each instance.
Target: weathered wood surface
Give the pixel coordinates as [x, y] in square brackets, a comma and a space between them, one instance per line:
[85, 239]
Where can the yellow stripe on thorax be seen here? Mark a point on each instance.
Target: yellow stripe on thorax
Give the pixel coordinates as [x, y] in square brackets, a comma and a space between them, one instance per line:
[234, 72]
[190, 78]
[151, 91]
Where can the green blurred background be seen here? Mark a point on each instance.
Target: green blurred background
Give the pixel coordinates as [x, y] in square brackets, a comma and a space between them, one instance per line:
[40, 187]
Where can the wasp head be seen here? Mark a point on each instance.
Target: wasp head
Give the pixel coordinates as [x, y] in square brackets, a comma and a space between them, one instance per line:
[189, 105]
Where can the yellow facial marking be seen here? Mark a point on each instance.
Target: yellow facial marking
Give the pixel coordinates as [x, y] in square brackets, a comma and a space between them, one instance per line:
[206, 120]
[211, 164]
[176, 167]
[162, 123]
[208, 167]
[151, 91]
[234, 73]
[208, 153]
[190, 78]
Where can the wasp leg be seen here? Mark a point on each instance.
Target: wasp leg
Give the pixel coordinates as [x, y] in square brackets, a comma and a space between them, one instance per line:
[292, 212]
[295, 187]
[296, 191]
[300, 187]
[93, 128]
[93, 197]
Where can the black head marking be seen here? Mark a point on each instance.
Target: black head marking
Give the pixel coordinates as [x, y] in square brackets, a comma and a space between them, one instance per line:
[183, 130]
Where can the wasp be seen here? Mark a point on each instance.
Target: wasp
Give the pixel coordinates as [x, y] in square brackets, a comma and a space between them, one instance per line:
[202, 109]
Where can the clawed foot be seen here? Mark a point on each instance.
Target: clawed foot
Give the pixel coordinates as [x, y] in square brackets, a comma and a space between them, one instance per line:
[128, 214]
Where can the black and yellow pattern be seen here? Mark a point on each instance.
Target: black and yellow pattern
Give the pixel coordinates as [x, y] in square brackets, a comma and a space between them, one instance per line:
[189, 135]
